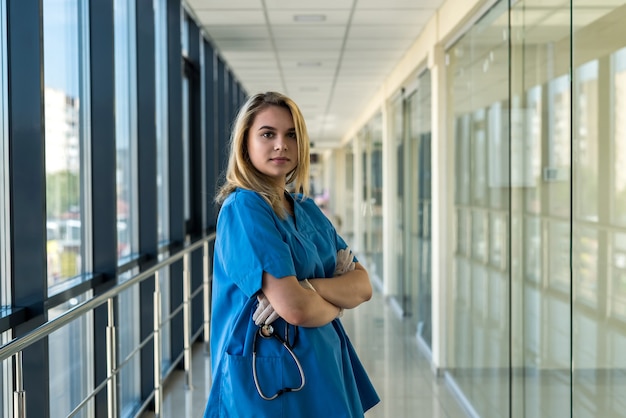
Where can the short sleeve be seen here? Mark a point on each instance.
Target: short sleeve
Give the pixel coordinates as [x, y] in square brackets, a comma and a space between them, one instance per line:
[249, 242]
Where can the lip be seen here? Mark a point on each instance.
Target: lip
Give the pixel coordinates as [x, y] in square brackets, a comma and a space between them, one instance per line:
[280, 160]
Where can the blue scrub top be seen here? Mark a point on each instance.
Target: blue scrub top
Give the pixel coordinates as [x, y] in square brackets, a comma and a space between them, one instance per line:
[252, 239]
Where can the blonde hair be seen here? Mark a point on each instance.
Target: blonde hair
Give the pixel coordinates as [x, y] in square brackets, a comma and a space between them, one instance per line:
[240, 171]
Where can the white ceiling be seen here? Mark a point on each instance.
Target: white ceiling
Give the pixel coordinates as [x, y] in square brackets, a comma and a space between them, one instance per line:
[331, 68]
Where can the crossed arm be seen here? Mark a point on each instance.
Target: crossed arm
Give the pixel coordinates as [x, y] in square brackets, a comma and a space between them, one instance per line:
[312, 308]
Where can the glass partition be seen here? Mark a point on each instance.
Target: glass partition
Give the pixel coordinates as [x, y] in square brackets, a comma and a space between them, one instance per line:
[598, 190]
[347, 224]
[372, 214]
[397, 135]
[478, 327]
[536, 93]
[417, 193]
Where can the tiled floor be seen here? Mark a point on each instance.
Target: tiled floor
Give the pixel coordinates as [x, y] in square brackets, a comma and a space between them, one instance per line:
[389, 352]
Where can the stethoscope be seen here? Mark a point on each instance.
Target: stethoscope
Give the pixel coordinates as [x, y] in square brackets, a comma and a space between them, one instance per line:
[266, 332]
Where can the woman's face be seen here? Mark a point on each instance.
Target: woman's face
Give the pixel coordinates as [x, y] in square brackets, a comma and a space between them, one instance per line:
[272, 143]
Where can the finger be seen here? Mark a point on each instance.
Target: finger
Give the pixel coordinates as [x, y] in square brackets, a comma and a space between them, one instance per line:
[257, 313]
[259, 319]
[263, 303]
[273, 317]
[262, 318]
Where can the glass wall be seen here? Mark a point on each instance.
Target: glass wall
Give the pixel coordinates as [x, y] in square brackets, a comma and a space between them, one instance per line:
[66, 102]
[417, 184]
[128, 338]
[61, 371]
[347, 223]
[478, 325]
[160, 17]
[5, 290]
[66, 108]
[6, 374]
[162, 128]
[126, 127]
[397, 134]
[372, 205]
[536, 94]
[598, 190]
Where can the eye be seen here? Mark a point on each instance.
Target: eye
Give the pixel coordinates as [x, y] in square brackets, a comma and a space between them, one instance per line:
[292, 135]
[267, 134]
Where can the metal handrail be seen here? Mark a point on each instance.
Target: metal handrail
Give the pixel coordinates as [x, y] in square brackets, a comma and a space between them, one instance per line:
[15, 347]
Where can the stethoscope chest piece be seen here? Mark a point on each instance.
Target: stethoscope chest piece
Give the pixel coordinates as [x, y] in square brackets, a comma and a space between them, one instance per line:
[266, 330]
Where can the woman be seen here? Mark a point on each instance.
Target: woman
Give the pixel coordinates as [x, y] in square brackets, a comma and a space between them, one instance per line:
[281, 278]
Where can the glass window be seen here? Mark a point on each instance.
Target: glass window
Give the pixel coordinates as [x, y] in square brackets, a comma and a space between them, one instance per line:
[126, 182]
[65, 136]
[160, 16]
[66, 110]
[126, 126]
[5, 290]
[162, 126]
[6, 367]
[186, 144]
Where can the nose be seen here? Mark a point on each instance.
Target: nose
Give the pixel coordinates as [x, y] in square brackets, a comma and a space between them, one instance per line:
[280, 144]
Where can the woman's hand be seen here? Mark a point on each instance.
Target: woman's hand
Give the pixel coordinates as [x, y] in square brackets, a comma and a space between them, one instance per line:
[350, 285]
[345, 262]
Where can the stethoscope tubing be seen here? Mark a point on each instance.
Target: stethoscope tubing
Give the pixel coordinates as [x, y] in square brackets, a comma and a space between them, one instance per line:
[285, 343]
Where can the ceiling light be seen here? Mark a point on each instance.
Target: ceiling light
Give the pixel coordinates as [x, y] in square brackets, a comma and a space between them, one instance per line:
[309, 64]
[309, 18]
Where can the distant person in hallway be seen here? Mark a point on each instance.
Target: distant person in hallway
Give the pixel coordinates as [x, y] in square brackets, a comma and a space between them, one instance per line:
[282, 277]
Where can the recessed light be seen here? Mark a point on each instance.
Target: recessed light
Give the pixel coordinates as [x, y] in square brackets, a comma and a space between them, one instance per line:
[309, 18]
[309, 64]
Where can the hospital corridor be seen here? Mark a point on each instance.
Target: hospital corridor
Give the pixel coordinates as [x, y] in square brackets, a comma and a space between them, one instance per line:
[471, 153]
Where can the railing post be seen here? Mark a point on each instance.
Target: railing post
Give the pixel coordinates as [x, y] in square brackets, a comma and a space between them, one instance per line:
[19, 395]
[187, 319]
[158, 394]
[111, 361]
[206, 297]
